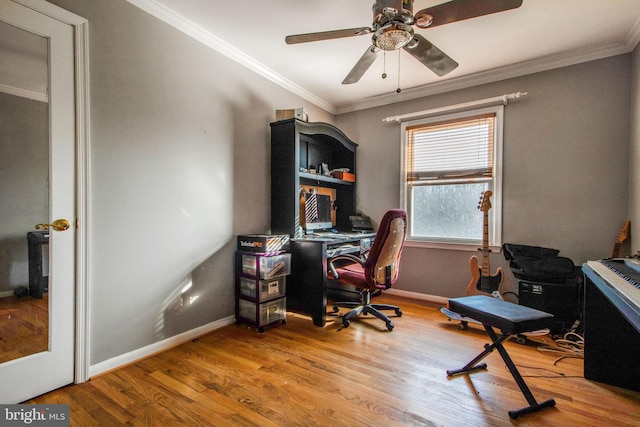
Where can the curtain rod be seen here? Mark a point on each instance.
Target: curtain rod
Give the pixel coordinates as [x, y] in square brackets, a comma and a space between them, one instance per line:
[504, 100]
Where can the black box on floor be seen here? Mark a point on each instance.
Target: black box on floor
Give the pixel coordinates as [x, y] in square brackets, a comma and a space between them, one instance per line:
[563, 300]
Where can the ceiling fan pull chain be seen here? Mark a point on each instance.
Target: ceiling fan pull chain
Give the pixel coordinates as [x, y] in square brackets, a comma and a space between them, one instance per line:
[398, 90]
[384, 64]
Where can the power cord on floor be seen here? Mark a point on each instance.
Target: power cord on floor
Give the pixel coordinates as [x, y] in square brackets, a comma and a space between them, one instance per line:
[571, 345]
[556, 374]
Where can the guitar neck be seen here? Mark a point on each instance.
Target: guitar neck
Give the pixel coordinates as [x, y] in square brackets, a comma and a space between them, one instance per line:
[616, 250]
[485, 246]
[622, 236]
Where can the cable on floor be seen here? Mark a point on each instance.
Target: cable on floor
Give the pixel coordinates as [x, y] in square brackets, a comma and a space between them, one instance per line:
[571, 345]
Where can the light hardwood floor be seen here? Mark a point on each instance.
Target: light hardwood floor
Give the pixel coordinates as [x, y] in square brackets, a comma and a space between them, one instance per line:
[24, 326]
[301, 375]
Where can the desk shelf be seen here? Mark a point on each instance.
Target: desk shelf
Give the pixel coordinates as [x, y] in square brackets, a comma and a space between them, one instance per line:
[317, 179]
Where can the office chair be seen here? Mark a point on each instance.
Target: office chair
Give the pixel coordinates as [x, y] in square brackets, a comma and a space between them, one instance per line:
[376, 271]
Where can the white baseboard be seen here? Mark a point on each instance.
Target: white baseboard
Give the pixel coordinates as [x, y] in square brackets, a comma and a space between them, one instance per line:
[5, 294]
[158, 347]
[416, 295]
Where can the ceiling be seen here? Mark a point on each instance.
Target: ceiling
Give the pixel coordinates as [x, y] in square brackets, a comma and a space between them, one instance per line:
[541, 34]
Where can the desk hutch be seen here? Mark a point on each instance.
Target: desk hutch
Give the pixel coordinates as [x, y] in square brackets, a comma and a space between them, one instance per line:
[296, 148]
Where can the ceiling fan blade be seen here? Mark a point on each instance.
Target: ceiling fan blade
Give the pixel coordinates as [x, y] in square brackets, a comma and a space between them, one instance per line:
[432, 57]
[459, 10]
[361, 66]
[326, 35]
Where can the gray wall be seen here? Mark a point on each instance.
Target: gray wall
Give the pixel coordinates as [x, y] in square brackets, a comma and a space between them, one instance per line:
[24, 174]
[565, 178]
[179, 166]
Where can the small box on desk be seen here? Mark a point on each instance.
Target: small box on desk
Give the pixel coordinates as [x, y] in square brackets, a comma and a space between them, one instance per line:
[263, 243]
[345, 176]
[298, 113]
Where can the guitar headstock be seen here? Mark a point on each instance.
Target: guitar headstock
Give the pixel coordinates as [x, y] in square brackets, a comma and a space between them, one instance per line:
[485, 202]
[624, 232]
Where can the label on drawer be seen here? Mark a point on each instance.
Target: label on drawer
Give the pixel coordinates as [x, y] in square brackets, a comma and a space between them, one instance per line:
[274, 287]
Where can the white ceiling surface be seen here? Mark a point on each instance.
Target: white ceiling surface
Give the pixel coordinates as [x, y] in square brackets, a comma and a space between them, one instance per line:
[541, 34]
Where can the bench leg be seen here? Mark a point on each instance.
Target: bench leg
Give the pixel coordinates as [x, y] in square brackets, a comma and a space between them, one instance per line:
[474, 365]
[497, 344]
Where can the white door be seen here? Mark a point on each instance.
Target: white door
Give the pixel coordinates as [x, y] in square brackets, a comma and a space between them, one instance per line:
[52, 367]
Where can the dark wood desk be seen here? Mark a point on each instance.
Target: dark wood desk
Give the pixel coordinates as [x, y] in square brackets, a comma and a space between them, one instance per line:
[307, 286]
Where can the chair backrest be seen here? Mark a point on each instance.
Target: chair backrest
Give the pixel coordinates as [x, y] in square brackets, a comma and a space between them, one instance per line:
[386, 249]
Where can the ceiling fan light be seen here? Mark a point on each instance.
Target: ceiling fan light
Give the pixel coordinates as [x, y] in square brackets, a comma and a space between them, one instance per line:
[392, 40]
[393, 37]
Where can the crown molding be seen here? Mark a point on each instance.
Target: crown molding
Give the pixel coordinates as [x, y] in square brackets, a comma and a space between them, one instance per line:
[498, 74]
[633, 38]
[490, 76]
[23, 93]
[179, 22]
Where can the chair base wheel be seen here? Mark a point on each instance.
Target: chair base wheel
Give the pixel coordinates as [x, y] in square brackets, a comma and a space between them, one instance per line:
[390, 326]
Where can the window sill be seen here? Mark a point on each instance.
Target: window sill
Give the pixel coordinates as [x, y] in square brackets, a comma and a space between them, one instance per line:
[449, 246]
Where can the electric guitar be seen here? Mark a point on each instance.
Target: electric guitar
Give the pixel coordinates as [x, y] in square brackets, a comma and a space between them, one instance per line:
[482, 282]
[622, 236]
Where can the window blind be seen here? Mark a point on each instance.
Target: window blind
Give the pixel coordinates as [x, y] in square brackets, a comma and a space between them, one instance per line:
[457, 150]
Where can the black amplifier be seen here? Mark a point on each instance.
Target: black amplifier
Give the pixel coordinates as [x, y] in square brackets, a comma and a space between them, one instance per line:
[563, 300]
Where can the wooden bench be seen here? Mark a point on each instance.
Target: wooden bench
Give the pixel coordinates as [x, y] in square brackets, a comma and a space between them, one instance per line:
[510, 319]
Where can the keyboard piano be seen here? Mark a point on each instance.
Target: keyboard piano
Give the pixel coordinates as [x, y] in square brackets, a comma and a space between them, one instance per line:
[612, 322]
[622, 276]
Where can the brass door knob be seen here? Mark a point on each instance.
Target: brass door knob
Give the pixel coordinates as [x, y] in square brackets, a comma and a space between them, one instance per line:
[58, 225]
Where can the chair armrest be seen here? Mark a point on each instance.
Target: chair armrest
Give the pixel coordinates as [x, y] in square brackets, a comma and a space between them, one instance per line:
[333, 271]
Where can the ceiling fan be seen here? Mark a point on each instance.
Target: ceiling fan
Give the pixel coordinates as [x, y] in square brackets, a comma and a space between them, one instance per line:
[392, 29]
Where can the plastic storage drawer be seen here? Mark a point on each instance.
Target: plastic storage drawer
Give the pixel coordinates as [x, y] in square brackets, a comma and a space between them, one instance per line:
[266, 266]
[263, 314]
[262, 290]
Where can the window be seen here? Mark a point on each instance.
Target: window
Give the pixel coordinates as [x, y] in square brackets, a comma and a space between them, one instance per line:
[449, 161]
